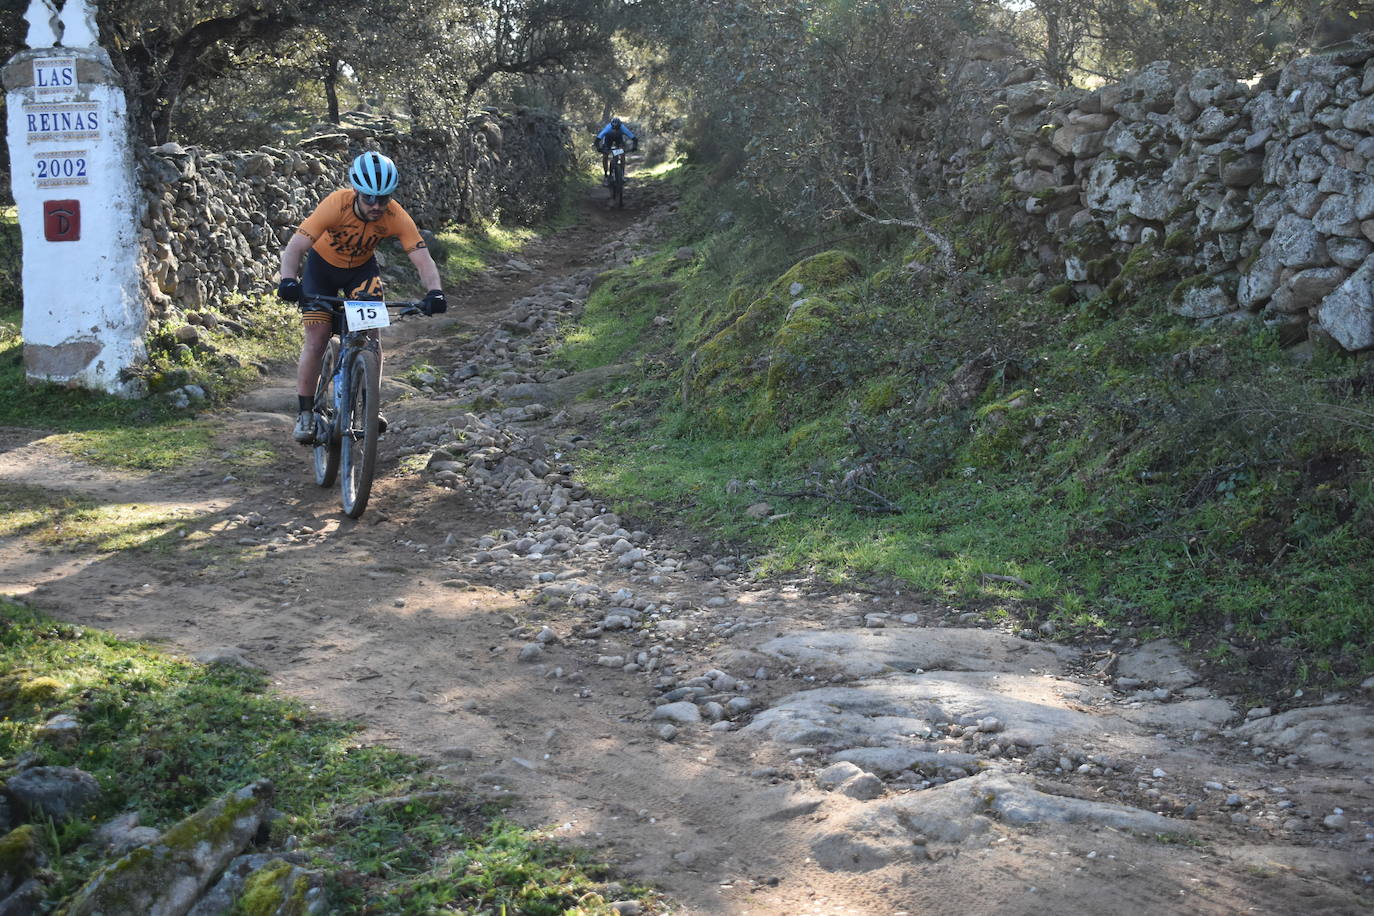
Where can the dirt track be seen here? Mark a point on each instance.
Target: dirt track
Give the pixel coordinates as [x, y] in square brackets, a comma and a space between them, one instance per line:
[390, 621]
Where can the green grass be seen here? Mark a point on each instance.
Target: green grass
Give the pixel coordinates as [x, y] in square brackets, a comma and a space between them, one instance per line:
[461, 253]
[1132, 468]
[44, 406]
[171, 445]
[165, 737]
[147, 433]
[253, 454]
[619, 315]
[660, 170]
[71, 522]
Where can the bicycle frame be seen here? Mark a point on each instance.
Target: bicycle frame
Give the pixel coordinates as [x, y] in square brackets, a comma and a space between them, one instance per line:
[338, 432]
[351, 343]
[617, 176]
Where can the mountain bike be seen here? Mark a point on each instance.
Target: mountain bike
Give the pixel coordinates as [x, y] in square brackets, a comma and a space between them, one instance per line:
[617, 175]
[347, 397]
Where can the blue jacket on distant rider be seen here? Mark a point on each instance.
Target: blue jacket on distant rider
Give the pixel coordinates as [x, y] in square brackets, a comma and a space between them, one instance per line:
[614, 127]
[613, 136]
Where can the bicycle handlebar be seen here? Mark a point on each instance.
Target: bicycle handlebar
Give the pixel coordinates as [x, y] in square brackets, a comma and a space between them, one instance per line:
[407, 306]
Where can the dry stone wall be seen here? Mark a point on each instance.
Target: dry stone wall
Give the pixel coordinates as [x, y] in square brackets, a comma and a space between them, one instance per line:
[215, 223]
[1256, 196]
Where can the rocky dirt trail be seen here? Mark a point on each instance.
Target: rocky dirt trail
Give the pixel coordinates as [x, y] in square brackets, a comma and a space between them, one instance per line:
[759, 747]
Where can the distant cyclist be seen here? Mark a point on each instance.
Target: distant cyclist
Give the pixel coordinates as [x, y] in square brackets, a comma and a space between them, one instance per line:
[338, 242]
[614, 135]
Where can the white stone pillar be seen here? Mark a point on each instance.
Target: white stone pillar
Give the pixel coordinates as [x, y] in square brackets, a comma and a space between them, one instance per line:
[72, 172]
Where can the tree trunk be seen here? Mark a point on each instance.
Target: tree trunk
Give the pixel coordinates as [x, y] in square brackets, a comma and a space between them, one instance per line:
[331, 88]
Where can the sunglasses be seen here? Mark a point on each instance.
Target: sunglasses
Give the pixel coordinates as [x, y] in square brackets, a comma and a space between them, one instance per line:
[375, 200]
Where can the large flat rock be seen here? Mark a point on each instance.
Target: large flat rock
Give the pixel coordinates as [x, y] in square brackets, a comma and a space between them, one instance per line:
[1328, 736]
[902, 710]
[1160, 662]
[866, 652]
[903, 828]
[1206, 715]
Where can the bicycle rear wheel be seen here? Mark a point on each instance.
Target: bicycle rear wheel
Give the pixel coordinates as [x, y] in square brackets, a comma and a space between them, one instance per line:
[326, 453]
[359, 433]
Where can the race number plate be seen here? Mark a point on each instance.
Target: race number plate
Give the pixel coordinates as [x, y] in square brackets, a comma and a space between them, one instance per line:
[617, 152]
[364, 315]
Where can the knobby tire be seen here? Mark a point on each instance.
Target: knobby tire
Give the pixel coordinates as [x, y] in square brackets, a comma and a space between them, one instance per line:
[359, 433]
[618, 182]
[326, 452]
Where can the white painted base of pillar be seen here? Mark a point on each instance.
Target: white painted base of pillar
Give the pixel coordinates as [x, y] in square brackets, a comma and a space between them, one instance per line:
[84, 315]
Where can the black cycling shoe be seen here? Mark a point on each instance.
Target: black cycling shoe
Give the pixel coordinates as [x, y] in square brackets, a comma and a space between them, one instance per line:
[381, 424]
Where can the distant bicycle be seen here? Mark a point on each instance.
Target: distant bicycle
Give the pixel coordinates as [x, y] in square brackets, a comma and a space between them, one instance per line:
[347, 398]
[616, 175]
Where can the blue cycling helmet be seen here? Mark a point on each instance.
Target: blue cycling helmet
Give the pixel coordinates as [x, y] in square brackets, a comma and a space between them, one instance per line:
[615, 122]
[374, 174]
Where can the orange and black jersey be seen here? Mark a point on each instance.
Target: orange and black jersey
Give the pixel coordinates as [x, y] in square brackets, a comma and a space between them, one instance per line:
[344, 240]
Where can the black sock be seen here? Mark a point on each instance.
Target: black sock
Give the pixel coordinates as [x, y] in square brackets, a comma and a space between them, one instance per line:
[304, 402]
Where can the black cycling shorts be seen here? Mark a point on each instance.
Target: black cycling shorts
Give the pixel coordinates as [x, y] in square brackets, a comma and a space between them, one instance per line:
[320, 278]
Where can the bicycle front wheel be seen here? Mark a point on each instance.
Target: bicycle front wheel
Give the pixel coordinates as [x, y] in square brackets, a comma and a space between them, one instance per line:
[326, 453]
[618, 182]
[359, 433]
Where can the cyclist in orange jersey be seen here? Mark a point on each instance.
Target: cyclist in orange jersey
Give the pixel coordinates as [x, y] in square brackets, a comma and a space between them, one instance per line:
[337, 244]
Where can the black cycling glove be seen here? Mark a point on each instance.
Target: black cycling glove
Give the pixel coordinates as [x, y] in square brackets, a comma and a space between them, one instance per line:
[289, 289]
[434, 302]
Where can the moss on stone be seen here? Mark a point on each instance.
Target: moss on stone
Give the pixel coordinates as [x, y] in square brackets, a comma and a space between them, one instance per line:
[19, 853]
[142, 876]
[796, 367]
[822, 271]
[267, 891]
[1185, 285]
[1103, 270]
[738, 299]
[1147, 266]
[1001, 430]
[41, 690]
[880, 396]
[1179, 240]
[1088, 238]
[1182, 210]
[210, 825]
[1061, 294]
[725, 361]
[1016, 400]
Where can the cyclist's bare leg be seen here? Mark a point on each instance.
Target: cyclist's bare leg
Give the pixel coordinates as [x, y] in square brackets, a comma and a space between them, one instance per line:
[317, 334]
